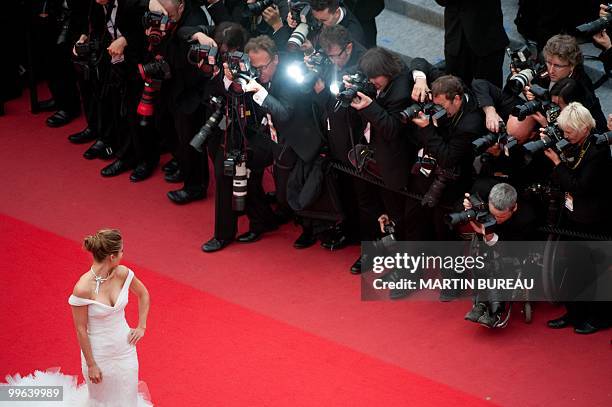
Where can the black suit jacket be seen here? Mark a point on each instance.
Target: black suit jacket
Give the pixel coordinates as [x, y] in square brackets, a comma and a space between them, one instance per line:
[292, 114]
[129, 24]
[481, 21]
[365, 9]
[588, 184]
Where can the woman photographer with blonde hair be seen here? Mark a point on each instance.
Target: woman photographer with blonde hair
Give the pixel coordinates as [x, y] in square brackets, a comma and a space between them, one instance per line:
[583, 177]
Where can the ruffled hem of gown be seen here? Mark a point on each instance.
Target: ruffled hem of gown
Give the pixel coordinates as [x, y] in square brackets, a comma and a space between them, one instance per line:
[73, 394]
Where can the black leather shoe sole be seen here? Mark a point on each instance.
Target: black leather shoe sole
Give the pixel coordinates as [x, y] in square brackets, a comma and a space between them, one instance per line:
[82, 137]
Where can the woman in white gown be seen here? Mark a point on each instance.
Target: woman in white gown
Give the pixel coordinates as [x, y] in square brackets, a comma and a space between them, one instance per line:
[108, 345]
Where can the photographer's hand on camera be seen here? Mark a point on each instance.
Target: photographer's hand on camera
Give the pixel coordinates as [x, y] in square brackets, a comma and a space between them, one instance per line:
[420, 90]
[155, 6]
[204, 39]
[422, 120]
[291, 22]
[549, 152]
[476, 227]
[528, 95]
[602, 10]
[272, 17]
[492, 119]
[83, 38]
[361, 101]
[603, 39]
[383, 220]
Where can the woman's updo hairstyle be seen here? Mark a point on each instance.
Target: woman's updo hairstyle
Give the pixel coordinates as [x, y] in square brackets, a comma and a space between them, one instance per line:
[104, 243]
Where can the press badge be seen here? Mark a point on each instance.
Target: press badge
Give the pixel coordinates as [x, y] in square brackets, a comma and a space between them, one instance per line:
[569, 202]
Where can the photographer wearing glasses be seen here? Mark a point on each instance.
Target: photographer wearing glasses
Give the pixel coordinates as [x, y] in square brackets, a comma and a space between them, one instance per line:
[562, 59]
[281, 130]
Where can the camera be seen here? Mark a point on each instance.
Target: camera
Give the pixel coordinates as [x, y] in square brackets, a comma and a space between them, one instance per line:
[211, 124]
[87, 50]
[434, 193]
[523, 78]
[481, 144]
[63, 20]
[360, 83]
[520, 58]
[603, 139]
[436, 113]
[307, 74]
[479, 212]
[553, 138]
[153, 74]
[259, 6]
[300, 12]
[204, 54]
[234, 166]
[239, 65]
[157, 24]
[541, 104]
[387, 241]
[594, 27]
[255, 9]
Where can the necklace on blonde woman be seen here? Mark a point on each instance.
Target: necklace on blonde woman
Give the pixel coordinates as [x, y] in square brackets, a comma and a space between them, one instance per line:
[99, 280]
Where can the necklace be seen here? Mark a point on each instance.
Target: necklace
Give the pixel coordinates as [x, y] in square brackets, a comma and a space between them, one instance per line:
[99, 280]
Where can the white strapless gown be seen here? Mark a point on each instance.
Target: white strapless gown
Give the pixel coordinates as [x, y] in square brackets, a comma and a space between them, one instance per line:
[108, 334]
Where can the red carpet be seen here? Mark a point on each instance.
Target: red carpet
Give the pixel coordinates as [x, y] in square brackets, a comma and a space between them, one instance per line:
[259, 324]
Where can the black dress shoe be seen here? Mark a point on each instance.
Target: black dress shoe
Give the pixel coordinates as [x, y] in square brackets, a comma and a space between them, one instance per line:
[356, 267]
[174, 177]
[249, 237]
[47, 105]
[184, 196]
[335, 242]
[304, 241]
[142, 172]
[98, 150]
[559, 323]
[81, 137]
[214, 245]
[60, 118]
[585, 328]
[171, 166]
[115, 168]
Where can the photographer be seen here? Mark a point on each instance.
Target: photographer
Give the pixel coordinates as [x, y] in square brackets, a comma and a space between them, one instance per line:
[230, 37]
[587, 203]
[513, 222]
[392, 83]
[563, 58]
[326, 13]
[446, 152]
[281, 131]
[360, 199]
[178, 108]
[111, 50]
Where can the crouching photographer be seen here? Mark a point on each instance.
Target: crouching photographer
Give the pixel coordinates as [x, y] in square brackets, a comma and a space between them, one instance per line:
[502, 218]
[582, 176]
[444, 164]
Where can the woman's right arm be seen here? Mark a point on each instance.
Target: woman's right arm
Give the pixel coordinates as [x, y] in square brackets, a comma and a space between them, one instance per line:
[79, 315]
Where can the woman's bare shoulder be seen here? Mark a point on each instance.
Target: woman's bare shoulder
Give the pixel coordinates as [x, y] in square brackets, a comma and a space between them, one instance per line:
[81, 288]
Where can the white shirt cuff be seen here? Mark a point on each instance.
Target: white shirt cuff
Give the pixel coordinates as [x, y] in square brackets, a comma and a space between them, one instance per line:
[493, 240]
[260, 96]
[418, 75]
[227, 83]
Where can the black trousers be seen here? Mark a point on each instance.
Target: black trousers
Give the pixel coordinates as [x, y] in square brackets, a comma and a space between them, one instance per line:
[226, 219]
[468, 66]
[370, 32]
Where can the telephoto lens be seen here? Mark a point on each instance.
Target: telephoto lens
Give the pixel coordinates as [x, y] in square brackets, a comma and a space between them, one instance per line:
[239, 187]
[517, 82]
[211, 124]
[255, 9]
[603, 139]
